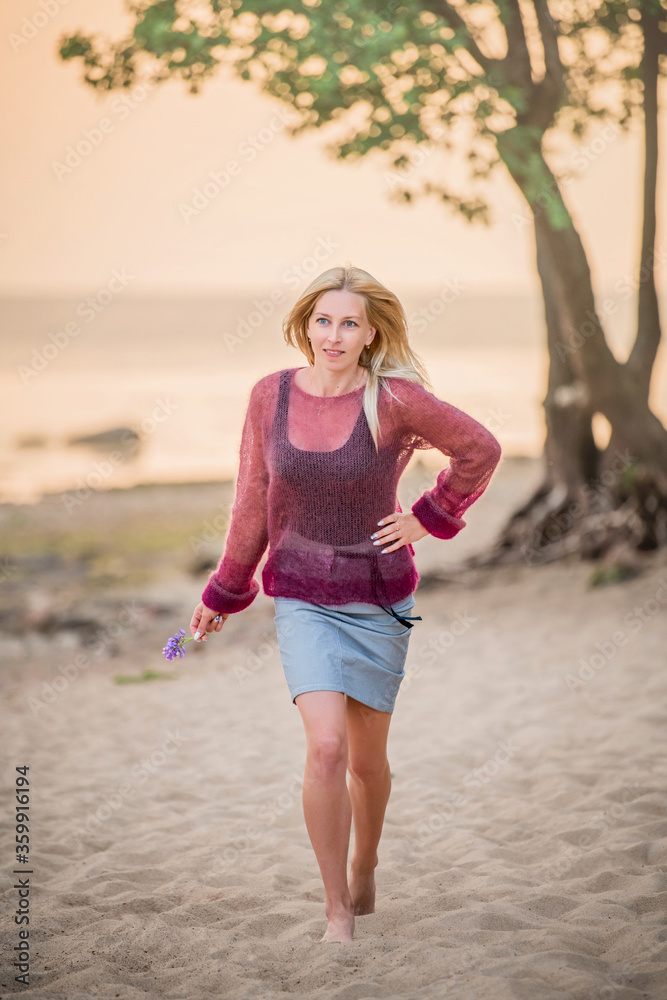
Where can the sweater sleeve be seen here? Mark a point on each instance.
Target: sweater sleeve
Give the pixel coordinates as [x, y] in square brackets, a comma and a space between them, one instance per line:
[232, 586]
[473, 452]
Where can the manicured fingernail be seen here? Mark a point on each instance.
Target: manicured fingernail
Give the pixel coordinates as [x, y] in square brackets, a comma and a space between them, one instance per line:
[382, 551]
[197, 634]
[380, 522]
[373, 536]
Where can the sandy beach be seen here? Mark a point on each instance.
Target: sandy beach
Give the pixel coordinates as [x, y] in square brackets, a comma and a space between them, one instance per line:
[524, 852]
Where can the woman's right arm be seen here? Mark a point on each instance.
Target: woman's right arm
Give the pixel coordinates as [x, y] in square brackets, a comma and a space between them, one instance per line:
[232, 587]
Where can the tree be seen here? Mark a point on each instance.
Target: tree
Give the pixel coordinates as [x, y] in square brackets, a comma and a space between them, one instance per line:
[513, 74]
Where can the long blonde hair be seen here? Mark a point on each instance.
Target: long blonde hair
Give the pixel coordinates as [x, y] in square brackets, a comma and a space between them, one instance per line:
[389, 353]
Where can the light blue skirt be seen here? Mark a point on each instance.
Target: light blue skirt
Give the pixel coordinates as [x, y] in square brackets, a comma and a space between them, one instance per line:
[355, 648]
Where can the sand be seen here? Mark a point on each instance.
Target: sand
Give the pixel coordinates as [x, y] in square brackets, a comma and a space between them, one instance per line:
[524, 852]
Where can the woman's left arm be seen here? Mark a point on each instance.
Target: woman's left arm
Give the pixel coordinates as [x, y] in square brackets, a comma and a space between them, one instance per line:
[474, 454]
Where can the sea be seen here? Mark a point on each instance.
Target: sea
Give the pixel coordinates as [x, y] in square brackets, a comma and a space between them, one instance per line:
[161, 383]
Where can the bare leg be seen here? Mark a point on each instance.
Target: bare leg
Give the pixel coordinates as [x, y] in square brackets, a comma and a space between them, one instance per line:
[326, 803]
[369, 787]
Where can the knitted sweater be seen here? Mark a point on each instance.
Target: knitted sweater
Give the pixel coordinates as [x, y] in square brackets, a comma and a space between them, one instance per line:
[312, 487]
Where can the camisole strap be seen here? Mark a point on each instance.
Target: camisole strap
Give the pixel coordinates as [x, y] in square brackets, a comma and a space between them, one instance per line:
[282, 405]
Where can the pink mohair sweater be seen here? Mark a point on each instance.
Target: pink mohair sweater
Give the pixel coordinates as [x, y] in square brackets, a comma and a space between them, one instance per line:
[312, 487]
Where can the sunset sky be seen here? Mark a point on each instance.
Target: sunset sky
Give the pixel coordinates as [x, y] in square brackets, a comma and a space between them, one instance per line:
[65, 231]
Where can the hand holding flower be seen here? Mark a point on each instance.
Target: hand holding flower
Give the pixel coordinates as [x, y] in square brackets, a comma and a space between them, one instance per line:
[204, 620]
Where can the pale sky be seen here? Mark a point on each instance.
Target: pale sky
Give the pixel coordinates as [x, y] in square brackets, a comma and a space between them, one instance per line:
[120, 207]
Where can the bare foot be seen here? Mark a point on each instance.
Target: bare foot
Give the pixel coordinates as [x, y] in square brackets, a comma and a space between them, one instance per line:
[362, 890]
[340, 926]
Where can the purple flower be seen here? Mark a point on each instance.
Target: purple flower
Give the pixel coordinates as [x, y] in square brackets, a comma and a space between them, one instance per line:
[175, 645]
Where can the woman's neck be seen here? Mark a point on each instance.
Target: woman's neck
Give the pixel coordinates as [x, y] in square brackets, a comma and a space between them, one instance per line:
[321, 382]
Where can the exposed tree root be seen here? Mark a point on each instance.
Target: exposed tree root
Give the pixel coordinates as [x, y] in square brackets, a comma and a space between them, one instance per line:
[612, 525]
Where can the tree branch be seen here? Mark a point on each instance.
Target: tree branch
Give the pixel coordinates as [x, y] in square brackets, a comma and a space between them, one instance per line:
[517, 61]
[448, 13]
[549, 34]
[550, 90]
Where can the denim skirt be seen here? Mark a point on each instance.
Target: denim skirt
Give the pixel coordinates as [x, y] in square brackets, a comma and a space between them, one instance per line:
[355, 648]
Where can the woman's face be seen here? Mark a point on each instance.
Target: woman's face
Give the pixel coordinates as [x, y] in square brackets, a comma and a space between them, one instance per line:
[338, 329]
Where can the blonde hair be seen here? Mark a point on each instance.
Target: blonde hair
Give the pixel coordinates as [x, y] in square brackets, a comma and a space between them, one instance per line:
[389, 353]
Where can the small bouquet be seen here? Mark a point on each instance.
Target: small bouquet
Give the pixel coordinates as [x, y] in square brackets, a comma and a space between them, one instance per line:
[176, 642]
[175, 645]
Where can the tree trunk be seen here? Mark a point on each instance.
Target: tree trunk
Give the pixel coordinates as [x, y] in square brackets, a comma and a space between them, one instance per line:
[613, 389]
[589, 503]
[642, 356]
[570, 453]
[570, 449]
[650, 502]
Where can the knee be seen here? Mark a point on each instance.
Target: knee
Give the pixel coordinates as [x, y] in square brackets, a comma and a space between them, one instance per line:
[368, 770]
[328, 753]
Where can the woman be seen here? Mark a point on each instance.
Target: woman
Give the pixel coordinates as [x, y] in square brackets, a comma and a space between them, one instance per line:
[322, 450]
